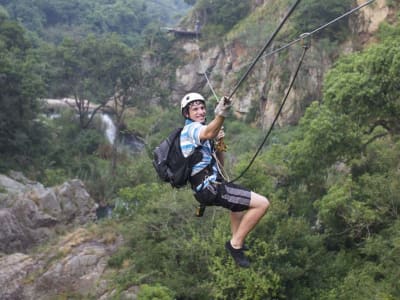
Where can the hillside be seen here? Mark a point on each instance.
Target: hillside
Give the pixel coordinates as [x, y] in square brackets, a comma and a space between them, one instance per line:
[54, 20]
[330, 169]
[227, 57]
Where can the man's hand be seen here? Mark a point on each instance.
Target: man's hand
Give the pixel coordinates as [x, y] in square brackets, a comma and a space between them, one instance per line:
[220, 145]
[223, 107]
[221, 134]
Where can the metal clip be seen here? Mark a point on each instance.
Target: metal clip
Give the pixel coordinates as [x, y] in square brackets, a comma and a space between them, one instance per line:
[305, 40]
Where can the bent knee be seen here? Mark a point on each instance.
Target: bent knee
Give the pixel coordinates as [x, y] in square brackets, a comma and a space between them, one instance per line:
[259, 201]
[265, 203]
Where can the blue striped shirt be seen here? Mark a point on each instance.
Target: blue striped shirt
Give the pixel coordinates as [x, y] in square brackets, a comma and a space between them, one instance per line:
[190, 140]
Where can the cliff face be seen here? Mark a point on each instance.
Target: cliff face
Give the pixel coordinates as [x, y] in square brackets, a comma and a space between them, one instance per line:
[37, 259]
[31, 213]
[265, 88]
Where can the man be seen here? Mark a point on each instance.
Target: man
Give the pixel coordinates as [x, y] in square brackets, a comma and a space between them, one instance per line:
[246, 207]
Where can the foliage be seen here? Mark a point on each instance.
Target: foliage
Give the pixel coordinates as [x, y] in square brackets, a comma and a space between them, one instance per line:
[54, 176]
[166, 228]
[21, 85]
[93, 71]
[343, 157]
[313, 13]
[150, 292]
[56, 20]
[368, 92]
[257, 27]
[221, 16]
[332, 231]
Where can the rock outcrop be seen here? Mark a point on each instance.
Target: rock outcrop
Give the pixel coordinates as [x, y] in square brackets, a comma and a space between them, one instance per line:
[49, 246]
[31, 213]
[76, 265]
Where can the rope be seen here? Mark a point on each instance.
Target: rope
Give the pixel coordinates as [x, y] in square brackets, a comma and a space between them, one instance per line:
[306, 47]
[220, 167]
[205, 73]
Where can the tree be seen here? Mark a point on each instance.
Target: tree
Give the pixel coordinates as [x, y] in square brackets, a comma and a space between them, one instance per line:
[365, 87]
[311, 14]
[55, 20]
[21, 85]
[92, 71]
[224, 13]
[127, 87]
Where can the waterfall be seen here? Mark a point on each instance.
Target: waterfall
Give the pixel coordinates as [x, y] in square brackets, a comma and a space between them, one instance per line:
[110, 129]
[128, 141]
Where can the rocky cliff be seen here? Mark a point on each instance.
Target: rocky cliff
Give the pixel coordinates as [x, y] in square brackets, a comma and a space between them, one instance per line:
[76, 265]
[31, 213]
[49, 245]
[265, 88]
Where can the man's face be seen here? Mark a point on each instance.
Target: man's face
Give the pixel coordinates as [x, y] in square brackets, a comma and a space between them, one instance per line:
[197, 111]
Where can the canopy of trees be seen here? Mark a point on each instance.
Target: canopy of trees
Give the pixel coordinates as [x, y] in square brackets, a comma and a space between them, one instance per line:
[20, 86]
[53, 20]
[313, 13]
[333, 230]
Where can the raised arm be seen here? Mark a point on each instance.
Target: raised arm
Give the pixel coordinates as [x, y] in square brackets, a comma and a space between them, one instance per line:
[212, 129]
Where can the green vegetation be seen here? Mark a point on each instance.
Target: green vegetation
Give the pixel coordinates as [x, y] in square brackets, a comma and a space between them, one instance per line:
[333, 229]
[313, 13]
[218, 17]
[21, 133]
[333, 181]
[55, 20]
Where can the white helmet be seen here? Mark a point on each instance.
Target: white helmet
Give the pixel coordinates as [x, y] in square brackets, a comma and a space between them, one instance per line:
[188, 98]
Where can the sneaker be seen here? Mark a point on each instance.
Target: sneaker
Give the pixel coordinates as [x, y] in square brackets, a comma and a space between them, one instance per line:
[245, 247]
[238, 255]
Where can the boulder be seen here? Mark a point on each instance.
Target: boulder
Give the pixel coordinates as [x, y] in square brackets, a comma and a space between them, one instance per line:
[13, 271]
[13, 235]
[31, 213]
[76, 265]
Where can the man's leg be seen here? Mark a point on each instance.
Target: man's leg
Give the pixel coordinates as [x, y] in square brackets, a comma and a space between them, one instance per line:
[236, 218]
[243, 224]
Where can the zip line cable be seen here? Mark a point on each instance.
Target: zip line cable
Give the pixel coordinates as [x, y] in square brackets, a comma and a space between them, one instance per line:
[264, 48]
[306, 46]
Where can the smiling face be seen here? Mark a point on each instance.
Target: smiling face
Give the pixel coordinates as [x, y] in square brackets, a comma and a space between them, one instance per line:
[197, 111]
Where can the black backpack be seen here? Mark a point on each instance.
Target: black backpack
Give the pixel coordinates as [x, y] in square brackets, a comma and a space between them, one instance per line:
[169, 162]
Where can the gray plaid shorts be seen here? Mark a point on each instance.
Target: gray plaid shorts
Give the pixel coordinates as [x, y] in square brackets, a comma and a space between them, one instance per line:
[228, 195]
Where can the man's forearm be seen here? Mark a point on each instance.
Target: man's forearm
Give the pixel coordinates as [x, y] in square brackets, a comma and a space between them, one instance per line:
[211, 130]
